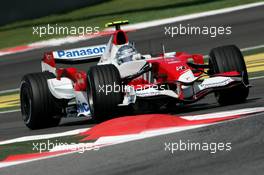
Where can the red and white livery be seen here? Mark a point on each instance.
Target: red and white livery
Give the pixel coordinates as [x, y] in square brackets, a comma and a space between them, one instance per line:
[124, 77]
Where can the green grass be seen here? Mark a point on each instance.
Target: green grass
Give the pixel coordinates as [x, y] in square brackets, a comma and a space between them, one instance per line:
[134, 10]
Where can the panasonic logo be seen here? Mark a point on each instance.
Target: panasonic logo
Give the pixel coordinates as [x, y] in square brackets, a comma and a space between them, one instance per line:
[80, 52]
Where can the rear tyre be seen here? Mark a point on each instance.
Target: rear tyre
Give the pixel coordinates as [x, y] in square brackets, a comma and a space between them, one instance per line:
[39, 108]
[104, 91]
[225, 59]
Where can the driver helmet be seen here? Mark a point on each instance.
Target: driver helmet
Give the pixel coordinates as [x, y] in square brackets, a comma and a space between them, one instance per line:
[125, 54]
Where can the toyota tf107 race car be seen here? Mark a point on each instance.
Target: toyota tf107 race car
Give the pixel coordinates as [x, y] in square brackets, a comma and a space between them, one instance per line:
[123, 77]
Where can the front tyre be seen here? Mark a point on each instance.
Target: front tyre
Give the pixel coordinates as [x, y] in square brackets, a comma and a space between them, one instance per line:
[38, 107]
[104, 91]
[225, 59]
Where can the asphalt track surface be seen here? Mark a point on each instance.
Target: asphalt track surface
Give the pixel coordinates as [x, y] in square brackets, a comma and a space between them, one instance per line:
[148, 156]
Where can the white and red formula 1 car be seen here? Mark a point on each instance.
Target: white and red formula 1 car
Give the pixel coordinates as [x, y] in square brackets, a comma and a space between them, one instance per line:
[124, 77]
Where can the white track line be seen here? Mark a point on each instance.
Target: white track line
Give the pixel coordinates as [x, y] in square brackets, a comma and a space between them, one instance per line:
[191, 16]
[10, 111]
[9, 91]
[225, 113]
[142, 25]
[153, 23]
[113, 140]
[252, 48]
[192, 117]
[256, 78]
[7, 164]
[44, 136]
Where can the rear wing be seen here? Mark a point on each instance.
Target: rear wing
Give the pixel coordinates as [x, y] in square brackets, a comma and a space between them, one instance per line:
[79, 54]
[71, 56]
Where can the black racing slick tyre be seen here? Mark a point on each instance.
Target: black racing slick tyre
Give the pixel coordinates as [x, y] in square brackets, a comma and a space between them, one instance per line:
[38, 107]
[229, 58]
[103, 91]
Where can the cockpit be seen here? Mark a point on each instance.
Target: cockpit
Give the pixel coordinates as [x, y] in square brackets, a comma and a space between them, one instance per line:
[126, 53]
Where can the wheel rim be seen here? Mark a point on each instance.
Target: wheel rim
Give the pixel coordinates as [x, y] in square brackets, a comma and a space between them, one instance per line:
[26, 104]
[90, 97]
